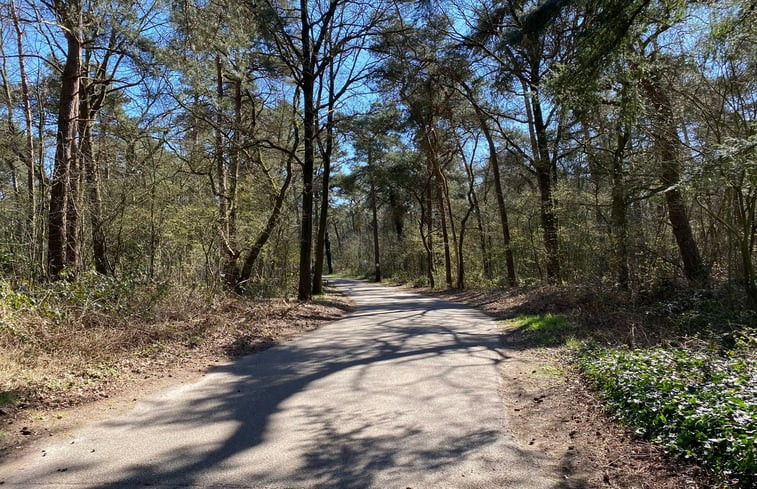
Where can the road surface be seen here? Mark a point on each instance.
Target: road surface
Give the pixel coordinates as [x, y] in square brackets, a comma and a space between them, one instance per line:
[403, 393]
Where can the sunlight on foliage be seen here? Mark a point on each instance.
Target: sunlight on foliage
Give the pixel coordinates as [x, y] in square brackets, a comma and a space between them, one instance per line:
[544, 329]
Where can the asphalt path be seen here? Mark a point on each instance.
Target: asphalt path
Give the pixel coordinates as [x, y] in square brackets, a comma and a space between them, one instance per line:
[403, 393]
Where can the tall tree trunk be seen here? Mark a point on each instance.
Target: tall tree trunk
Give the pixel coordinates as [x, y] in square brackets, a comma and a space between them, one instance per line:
[428, 240]
[233, 182]
[44, 183]
[668, 144]
[273, 219]
[221, 190]
[65, 150]
[448, 207]
[92, 173]
[304, 288]
[245, 274]
[438, 178]
[29, 156]
[499, 194]
[73, 215]
[445, 233]
[619, 210]
[374, 219]
[327, 246]
[325, 178]
[544, 177]
[471, 208]
[486, 259]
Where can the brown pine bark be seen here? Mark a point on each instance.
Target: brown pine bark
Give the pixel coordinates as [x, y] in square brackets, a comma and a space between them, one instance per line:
[64, 169]
[668, 144]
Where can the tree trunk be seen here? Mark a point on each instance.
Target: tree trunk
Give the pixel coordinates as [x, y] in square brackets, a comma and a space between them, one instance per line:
[245, 273]
[29, 156]
[323, 217]
[232, 266]
[273, 219]
[428, 242]
[308, 158]
[374, 216]
[438, 178]
[505, 225]
[73, 215]
[65, 151]
[619, 211]
[445, 234]
[544, 176]
[471, 208]
[92, 173]
[667, 142]
[327, 246]
[221, 185]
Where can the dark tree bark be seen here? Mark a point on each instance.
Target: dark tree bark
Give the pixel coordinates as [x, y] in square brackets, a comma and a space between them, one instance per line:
[92, 98]
[73, 215]
[65, 150]
[221, 184]
[325, 178]
[445, 233]
[427, 219]
[231, 192]
[501, 207]
[308, 158]
[544, 177]
[327, 246]
[92, 174]
[668, 144]
[619, 217]
[374, 217]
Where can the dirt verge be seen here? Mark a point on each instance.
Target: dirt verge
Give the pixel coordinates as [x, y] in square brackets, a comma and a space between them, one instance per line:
[553, 413]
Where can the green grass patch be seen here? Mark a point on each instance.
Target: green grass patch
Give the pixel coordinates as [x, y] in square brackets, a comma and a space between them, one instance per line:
[543, 329]
[700, 404]
[8, 398]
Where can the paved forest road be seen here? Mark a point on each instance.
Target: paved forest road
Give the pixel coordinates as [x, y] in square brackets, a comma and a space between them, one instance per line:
[405, 392]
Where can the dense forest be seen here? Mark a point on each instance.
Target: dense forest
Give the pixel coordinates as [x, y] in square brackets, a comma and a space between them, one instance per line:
[259, 145]
[175, 173]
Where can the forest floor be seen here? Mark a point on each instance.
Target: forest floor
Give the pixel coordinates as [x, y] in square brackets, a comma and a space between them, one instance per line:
[550, 408]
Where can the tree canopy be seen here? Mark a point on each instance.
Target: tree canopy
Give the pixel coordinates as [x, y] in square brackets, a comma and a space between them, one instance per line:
[608, 143]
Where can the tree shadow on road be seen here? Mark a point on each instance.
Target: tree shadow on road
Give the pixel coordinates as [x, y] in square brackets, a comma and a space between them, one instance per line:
[340, 448]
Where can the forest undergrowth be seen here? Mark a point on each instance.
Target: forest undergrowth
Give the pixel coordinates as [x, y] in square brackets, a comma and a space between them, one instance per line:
[679, 369]
[66, 343]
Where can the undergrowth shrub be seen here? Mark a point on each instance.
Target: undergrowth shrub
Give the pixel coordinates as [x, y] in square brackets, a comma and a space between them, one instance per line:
[701, 404]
